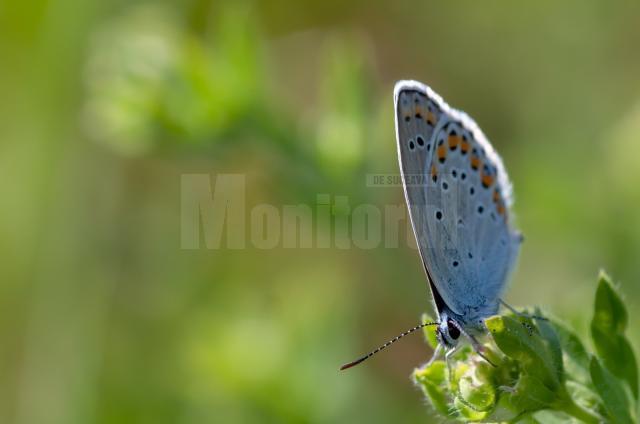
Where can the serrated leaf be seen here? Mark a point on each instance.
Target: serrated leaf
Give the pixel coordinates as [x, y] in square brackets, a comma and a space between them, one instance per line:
[607, 331]
[615, 399]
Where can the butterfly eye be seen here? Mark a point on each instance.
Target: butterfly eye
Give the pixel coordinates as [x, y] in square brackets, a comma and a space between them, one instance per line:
[454, 333]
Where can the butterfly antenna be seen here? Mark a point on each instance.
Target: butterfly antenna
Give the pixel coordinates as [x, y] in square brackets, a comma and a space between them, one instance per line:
[395, 339]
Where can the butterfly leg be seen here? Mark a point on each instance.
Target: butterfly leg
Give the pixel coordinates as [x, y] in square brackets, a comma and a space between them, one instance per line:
[436, 353]
[523, 315]
[447, 357]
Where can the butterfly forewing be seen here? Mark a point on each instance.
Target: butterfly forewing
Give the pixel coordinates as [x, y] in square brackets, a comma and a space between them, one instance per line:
[417, 115]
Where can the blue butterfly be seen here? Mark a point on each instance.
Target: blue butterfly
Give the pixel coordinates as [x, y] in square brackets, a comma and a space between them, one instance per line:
[459, 199]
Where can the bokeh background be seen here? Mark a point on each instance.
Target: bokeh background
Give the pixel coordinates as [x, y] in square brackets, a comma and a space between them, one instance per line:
[104, 105]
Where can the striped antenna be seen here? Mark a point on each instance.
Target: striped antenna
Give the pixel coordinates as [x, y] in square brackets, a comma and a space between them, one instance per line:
[395, 339]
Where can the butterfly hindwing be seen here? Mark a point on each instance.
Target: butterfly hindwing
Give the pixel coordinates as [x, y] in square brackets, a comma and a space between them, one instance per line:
[459, 200]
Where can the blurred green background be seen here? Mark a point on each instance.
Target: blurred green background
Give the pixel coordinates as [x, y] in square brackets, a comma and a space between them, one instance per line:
[104, 105]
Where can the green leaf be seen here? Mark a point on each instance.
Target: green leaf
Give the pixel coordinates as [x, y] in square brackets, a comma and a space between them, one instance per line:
[432, 381]
[530, 394]
[552, 341]
[476, 394]
[430, 331]
[614, 396]
[607, 330]
[534, 354]
[552, 417]
[609, 308]
[576, 356]
[586, 397]
[505, 412]
[467, 412]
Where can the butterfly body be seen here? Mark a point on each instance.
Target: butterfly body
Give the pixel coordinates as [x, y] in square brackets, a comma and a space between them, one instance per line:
[459, 198]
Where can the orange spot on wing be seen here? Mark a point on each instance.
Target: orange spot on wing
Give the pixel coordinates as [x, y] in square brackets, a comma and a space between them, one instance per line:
[487, 180]
[464, 146]
[496, 195]
[501, 209]
[434, 171]
[475, 162]
[442, 153]
[431, 118]
[454, 140]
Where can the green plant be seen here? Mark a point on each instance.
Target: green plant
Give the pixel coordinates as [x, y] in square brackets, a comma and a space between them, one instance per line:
[543, 371]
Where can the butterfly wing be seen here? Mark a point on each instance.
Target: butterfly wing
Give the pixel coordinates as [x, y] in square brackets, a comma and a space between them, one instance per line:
[417, 111]
[459, 200]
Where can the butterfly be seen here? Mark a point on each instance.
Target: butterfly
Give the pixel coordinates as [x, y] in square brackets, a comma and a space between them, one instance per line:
[459, 199]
